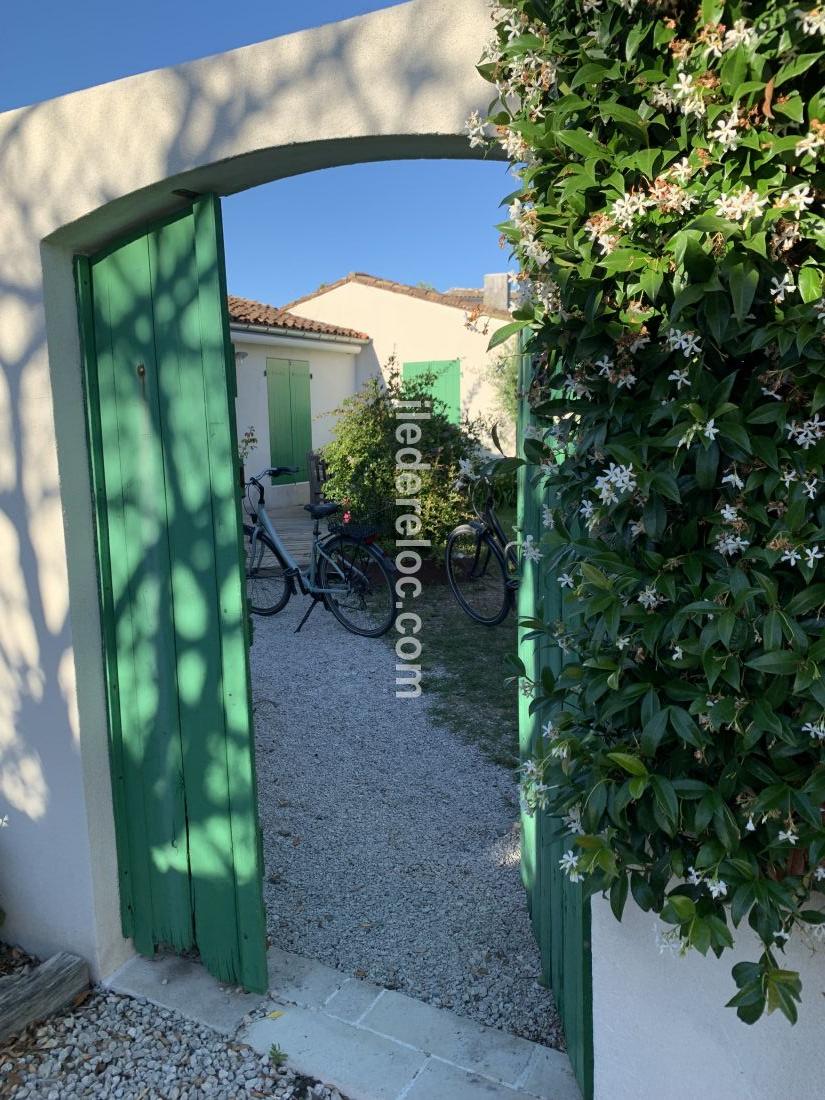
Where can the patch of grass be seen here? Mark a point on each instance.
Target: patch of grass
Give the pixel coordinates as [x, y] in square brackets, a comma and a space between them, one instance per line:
[277, 1056]
[464, 672]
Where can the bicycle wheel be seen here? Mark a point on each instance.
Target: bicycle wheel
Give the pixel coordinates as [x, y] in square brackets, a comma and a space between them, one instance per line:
[477, 574]
[360, 587]
[267, 589]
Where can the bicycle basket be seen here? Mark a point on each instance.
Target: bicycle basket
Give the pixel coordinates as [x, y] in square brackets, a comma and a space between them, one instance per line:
[364, 525]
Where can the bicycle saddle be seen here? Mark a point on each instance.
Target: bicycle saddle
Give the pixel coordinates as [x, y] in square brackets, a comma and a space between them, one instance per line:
[318, 511]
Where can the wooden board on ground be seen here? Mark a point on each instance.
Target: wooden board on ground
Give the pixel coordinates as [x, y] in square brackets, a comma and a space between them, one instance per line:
[38, 993]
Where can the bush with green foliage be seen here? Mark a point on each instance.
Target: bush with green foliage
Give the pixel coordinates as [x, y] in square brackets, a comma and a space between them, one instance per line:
[361, 459]
[670, 233]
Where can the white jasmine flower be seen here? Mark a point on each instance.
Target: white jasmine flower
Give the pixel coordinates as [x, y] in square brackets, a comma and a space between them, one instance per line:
[726, 133]
[788, 836]
[565, 581]
[807, 434]
[750, 827]
[626, 209]
[811, 22]
[662, 97]
[530, 550]
[587, 509]
[782, 936]
[573, 821]
[740, 34]
[710, 431]
[738, 205]
[815, 729]
[717, 888]
[680, 377]
[733, 479]
[813, 554]
[729, 513]
[811, 487]
[475, 130]
[605, 365]
[788, 476]
[810, 144]
[622, 643]
[819, 874]
[796, 199]
[569, 863]
[669, 941]
[791, 556]
[649, 598]
[728, 545]
[636, 528]
[695, 878]
[677, 654]
[781, 287]
[547, 519]
[681, 171]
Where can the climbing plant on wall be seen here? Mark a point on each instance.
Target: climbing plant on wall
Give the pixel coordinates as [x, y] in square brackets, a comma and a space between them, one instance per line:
[668, 225]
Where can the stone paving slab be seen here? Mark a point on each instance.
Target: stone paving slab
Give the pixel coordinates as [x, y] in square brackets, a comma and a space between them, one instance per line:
[371, 1043]
[184, 985]
[456, 1039]
[357, 1062]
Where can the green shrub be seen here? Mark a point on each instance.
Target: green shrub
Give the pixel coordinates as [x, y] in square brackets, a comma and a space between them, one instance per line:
[669, 227]
[361, 458]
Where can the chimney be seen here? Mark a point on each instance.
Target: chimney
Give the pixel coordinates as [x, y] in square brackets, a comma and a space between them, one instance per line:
[497, 291]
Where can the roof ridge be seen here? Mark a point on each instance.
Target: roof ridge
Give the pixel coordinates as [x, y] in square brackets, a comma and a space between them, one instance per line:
[439, 297]
[249, 311]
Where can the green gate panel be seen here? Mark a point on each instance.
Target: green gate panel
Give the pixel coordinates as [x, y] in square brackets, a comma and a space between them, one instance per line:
[290, 416]
[157, 363]
[447, 385]
[560, 916]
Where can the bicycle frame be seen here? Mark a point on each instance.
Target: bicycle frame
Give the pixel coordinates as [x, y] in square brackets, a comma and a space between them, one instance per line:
[488, 521]
[307, 581]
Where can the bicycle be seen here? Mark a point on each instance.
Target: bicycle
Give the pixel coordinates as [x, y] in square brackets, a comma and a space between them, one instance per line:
[348, 572]
[482, 566]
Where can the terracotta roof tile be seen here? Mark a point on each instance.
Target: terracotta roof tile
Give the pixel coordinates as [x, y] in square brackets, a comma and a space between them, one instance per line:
[243, 311]
[460, 299]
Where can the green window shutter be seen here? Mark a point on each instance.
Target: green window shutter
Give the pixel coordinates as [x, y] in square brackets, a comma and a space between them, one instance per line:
[447, 385]
[301, 416]
[290, 418]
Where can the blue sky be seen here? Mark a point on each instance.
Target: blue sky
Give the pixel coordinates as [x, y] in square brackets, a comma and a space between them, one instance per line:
[415, 221]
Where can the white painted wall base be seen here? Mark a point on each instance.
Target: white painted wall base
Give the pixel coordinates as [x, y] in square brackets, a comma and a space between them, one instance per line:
[661, 1031]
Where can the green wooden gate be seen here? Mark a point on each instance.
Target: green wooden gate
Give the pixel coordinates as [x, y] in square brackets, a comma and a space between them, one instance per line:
[447, 385]
[161, 425]
[290, 416]
[561, 919]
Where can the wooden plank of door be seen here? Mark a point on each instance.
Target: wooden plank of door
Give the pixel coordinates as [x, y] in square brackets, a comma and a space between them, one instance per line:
[139, 569]
[239, 742]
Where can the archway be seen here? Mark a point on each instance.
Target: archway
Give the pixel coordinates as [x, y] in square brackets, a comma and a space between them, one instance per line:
[77, 173]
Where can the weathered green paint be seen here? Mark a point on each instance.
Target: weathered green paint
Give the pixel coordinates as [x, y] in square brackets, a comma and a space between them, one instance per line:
[560, 918]
[161, 423]
[447, 385]
[290, 415]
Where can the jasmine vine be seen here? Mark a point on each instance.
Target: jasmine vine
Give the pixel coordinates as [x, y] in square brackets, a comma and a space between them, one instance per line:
[668, 227]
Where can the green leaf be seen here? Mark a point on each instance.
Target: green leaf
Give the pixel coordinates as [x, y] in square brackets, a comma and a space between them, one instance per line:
[653, 731]
[743, 280]
[778, 663]
[685, 726]
[631, 764]
[618, 895]
[505, 332]
[809, 281]
[583, 144]
[590, 73]
[796, 67]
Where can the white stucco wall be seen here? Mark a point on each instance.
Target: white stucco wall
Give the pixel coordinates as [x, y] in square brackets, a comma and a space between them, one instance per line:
[76, 173]
[414, 329]
[332, 378]
[661, 1029]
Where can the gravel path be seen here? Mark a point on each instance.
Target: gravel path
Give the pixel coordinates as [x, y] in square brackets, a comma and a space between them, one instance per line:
[391, 846]
[117, 1048]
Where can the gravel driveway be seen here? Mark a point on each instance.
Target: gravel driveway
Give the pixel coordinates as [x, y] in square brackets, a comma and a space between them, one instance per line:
[391, 847]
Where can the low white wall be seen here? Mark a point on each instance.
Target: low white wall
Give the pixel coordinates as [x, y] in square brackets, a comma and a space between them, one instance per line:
[332, 379]
[661, 1029]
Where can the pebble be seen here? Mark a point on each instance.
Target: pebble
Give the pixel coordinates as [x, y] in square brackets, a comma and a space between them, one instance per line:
[119, 1048]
